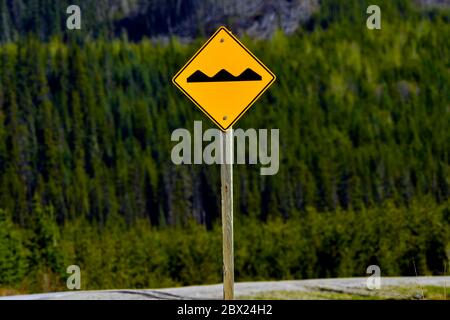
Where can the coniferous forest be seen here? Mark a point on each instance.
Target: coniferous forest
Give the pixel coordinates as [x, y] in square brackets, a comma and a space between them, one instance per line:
[86, 176]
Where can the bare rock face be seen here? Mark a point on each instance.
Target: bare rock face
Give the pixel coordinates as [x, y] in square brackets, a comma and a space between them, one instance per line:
[190, 18]
[433, 3]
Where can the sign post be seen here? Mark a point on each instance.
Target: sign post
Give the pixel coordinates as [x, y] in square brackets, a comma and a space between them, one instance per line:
[224, 79]
[226, 175]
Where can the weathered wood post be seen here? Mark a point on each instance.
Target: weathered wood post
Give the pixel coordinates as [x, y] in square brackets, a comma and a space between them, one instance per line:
[227, 213]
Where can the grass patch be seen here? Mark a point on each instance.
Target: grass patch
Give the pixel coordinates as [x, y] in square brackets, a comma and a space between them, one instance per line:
[390, 293]
[10, 292]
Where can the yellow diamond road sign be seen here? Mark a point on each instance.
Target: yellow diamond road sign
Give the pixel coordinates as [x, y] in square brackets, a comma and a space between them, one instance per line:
[224, 78]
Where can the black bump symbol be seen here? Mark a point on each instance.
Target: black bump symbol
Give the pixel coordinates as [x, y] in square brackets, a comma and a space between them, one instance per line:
[224, 76]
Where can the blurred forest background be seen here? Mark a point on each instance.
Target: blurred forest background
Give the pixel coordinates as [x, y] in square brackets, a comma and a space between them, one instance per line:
[86, 118]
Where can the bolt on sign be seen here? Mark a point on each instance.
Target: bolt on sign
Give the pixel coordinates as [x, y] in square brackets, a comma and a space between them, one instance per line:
[224, 78]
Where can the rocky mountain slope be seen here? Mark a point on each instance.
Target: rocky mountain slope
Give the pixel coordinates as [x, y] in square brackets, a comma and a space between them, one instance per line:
[189, 18]
[164, 18]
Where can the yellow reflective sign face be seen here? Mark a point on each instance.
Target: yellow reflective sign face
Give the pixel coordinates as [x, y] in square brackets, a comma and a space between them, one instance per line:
[224, 78]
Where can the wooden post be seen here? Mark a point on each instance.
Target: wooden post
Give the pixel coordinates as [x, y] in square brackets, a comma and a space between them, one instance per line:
[227, 213]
